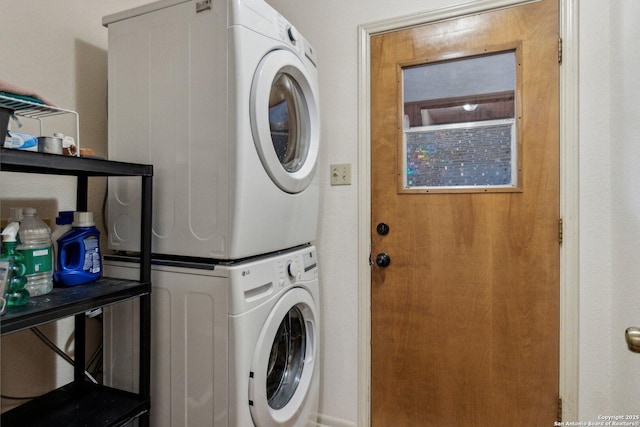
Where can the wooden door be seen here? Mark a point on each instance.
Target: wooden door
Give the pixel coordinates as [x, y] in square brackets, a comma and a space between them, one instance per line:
[465, 318]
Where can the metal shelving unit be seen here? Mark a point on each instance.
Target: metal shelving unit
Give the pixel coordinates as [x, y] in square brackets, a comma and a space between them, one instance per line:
[82, 403]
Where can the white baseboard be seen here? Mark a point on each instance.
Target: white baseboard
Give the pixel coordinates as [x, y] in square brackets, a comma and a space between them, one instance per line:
[328, 421]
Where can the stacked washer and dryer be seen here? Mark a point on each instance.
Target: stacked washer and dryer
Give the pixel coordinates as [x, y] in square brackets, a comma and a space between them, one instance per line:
[221, 96]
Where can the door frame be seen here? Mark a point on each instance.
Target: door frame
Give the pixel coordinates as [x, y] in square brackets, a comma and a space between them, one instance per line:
[569, 187]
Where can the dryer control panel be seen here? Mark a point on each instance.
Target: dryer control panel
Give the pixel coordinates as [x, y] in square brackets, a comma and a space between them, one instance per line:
[291, 36]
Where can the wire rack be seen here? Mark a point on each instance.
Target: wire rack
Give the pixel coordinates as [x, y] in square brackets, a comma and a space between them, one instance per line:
[37, 111]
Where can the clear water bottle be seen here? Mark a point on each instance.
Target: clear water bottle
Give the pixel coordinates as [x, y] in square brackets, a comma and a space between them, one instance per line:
[15, 215]
[35, 246]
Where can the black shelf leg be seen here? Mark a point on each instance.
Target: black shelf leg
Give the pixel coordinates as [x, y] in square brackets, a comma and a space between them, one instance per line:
[82, 193]
[145, 300]
[79, 351]
[80, 321]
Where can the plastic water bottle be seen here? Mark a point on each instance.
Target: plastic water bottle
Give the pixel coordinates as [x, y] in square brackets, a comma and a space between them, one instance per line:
[79, 256]
[35, 246]
[15, 215]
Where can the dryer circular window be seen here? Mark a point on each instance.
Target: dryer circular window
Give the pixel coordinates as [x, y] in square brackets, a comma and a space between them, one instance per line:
[285, 120]
[283, 363]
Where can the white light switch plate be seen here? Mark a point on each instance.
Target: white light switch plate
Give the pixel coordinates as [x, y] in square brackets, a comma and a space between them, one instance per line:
[340, 174]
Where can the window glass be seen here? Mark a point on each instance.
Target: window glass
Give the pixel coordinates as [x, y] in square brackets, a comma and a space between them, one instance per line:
[460, 124]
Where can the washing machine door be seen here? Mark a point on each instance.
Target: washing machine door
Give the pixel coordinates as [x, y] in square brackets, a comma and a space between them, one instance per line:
[285, 120]
[283, 363]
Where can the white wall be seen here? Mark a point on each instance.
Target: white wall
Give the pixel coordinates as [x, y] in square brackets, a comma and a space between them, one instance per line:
[625, 201]
[67, 62]
[595, 212]
[59, 49]
[609, 207]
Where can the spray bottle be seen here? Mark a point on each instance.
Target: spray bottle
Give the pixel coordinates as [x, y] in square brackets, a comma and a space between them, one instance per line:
[16, 293]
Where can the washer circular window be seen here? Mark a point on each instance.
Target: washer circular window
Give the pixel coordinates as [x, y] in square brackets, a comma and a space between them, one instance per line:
[283, 369]
[286, 361]
[285, 120]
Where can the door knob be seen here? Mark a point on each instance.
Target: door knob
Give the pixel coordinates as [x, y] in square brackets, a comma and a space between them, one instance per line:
[383, 260]
[632, 336]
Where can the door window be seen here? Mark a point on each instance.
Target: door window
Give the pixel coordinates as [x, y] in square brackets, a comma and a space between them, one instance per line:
[286, 361]
[459, 124]
[289, 132]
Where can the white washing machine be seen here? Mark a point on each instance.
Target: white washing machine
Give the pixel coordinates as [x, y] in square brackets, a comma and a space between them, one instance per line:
[222, 98]
[232, 345]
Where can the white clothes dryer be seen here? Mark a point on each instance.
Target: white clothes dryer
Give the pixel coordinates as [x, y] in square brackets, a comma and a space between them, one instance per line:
[232, 345]
[222, 98]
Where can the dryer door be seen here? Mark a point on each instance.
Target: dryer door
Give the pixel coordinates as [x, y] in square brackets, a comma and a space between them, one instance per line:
[285, 119]
[283, 362]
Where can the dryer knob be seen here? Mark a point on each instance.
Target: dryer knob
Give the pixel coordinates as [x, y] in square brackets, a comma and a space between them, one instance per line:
[293, 34]
[293, 270]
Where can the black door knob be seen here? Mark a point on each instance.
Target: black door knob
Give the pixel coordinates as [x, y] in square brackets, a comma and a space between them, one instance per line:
[383, 260]
[382, 229]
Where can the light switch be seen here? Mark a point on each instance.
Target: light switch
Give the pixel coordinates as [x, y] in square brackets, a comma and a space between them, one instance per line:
[341, 174]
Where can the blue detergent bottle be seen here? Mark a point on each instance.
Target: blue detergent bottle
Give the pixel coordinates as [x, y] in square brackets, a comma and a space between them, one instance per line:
[79, 258]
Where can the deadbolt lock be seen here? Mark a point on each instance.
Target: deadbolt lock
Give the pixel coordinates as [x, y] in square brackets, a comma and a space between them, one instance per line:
[382, 229]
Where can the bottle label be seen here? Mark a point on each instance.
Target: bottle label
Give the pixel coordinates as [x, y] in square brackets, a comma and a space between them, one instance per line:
[92, 259]
[38, 260]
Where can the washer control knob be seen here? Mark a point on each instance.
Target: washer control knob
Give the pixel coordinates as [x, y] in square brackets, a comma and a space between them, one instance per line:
[293, 270]
[293, 34]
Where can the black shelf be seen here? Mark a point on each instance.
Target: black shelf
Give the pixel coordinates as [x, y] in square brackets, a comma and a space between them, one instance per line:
[81, 403]
[54, 164]
[78, 405]
[65, 302]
